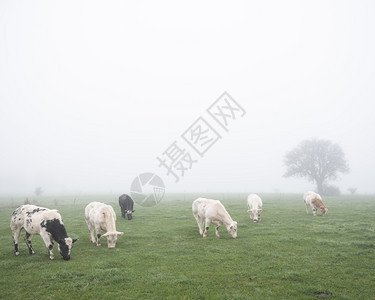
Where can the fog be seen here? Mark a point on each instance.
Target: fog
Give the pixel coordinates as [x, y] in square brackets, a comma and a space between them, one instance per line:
[92, 92]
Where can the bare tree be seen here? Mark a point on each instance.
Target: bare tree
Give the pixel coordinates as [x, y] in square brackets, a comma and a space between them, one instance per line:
[352, 191]
[317, 160]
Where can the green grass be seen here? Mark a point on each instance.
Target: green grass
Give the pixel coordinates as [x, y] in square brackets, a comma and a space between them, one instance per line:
[288, 255]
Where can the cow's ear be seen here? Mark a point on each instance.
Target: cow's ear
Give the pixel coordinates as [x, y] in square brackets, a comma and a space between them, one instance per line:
[74, 240]
[133, 210]
[260, 210]
[105, 235]
[249, 211]
[119, 233]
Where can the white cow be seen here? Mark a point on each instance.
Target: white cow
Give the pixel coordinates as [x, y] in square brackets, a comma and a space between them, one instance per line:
[314, 201]
[207, 211]
[42, 221]
[254, 207]
[100, 216]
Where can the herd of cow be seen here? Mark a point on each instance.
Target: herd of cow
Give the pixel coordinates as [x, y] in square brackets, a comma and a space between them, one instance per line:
[99, 216]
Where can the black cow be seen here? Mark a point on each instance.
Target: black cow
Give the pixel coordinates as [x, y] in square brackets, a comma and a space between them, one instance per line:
[126, 204]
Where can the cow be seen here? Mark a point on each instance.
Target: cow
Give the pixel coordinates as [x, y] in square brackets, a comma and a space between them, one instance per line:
[254, 207]
[126, 203]
[42, 221]
[314, 201]
[100, 216]
[207, 211]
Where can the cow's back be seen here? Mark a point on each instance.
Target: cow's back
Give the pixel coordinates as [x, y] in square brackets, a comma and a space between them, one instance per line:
[93, 212]
[308, 196]
[97, 212]
[201, 205]
[216, 210]
[126, 202]
[30, 212]
[254, 201]
[210, 208]
[30, 217]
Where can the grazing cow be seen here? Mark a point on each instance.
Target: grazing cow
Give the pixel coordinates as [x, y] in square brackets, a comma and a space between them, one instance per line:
[126, 204]
[100, 216]
[254, 207]
[207, 211]
[314, 201]
[44, 222]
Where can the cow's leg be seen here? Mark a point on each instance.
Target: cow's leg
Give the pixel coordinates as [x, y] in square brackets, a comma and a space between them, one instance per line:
[91, 230]
[28, 243]
[50, 251]
[16, 236]
[217, 231]
[98, 235]
[208, 222]
[199, 222]
[314, 211]
[249, 211]
[201, 226]
[49, 244]
[123, 212]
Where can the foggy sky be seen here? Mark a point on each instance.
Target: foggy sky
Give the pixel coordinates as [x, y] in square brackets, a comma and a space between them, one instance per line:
[92, 92]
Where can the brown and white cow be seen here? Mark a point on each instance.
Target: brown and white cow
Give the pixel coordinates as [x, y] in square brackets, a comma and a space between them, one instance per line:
[44, 222]
[100, 216]
[207, 211]
[314, 201]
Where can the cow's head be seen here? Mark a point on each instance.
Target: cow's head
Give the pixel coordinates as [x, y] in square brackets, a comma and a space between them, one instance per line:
[255, 214]
[232, 229]
[111, 237]
[129, 213]
[65, 245]
[324, 210]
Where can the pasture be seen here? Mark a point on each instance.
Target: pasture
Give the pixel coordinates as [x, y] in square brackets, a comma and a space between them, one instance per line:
[288, 255]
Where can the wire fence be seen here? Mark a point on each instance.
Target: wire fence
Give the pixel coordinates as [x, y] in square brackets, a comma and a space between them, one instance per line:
[56, 201]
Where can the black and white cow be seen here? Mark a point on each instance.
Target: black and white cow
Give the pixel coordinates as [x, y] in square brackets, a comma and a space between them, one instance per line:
[126, 204]
[42, 221]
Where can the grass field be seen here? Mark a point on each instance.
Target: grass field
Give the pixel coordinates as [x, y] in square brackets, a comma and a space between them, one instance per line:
[288, 255]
